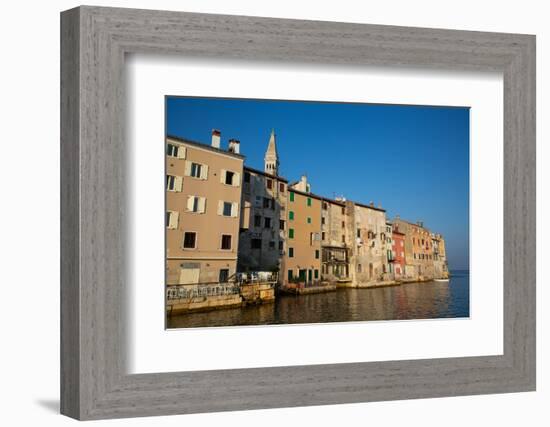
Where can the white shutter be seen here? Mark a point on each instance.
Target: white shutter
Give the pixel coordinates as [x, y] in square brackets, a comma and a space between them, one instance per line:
[204, 172]
[220, 207]
[202, 204]
[173, 223]
[178, 183]
[181, 152]
[237, 179]
[187, 168]
[234, 209]
[222, 176]
[190, 203]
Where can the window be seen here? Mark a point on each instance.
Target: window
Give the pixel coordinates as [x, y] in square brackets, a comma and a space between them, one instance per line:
[325, 206]
[358, 233]
[290, 275]
[174, 183]
[257, 221]
[343, 238]
[267, 222]
[291, 215]
[281, 224]
[280, 245]
[281, 187]
[343, 210]
[172, 220]
[323, 235]
[172, 150]
[316, 274]
[227, 208]
[256, 243]
[272, 244]
[196, 204]
[273, 204]
[196, 170]
[247, 177]
[309, 220]
[343, 224]
[226, 241]
[359, 268]
[322, 220]
[316, 253]
[224, 275]
[291, 252]
[229, 176]
[267, 202]
[309, 201]
[291, 195]
[291, 233]
[269, 184]
[189, 240]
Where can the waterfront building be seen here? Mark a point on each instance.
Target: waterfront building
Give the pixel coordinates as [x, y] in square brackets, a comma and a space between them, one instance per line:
[439, 256]
[302, 256]
[203, 194]
[418, 249]
[263, 216]
[368, 251]
[398, 252]
[335, 241]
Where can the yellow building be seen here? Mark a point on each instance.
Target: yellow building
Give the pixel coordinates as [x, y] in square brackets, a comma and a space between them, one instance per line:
[203, 195]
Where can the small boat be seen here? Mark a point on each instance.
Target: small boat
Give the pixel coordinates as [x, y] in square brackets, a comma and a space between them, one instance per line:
[441, 280]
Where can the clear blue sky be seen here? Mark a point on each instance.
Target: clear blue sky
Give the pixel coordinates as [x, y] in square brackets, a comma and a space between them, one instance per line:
[413, 160]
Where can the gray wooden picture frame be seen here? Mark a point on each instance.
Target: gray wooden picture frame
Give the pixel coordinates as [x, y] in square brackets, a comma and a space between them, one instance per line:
[94, 381]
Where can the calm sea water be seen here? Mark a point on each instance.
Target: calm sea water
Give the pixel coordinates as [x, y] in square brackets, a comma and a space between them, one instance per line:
[429, 300]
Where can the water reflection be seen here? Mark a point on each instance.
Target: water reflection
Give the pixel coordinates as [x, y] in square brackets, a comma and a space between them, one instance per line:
[410, 301]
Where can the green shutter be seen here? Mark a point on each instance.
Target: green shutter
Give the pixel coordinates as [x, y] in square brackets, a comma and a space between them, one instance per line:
[291, 215]
[317, 254]
[316, 274]
[291, 233]
[291, 252]
[309, 220]
[309, 201]
[291, 196]
[289, 274]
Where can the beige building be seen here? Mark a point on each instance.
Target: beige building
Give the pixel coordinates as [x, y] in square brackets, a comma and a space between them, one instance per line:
[439, 256]
[302, 259]
[335, 241]
[263, 219]
[368, 255]
[203, 196]
[419, 263]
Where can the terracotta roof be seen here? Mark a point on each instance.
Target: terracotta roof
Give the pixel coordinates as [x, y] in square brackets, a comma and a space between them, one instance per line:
[205, 146]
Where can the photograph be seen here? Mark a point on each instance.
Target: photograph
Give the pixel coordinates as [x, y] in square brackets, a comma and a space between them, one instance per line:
[306, 212]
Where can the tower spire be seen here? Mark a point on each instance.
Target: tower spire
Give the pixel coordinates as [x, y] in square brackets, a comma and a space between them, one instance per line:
[271, 159]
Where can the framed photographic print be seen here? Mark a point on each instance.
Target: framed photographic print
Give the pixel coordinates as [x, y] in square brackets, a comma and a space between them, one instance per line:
[294, 212]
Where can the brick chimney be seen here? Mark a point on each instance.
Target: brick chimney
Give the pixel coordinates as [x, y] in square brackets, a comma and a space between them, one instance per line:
[233, 146]
[216, 137]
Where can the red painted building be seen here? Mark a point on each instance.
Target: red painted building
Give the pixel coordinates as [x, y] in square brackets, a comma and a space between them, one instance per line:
[398, 249]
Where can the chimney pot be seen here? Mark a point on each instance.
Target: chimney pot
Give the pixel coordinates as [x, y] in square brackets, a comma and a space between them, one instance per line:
[234, 146]
[216, 137]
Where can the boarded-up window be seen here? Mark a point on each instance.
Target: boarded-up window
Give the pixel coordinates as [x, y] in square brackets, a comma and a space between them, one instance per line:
[189, 274]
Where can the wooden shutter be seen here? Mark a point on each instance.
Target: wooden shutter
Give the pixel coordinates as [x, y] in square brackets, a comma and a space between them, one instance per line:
[187, 168]
[202, 204]
[181, 152]
[234, 209]
[173, 223]
[223, 172]
[237, 179]
[204, 172]
[190, 203]
[178, 183]
[220, 207]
